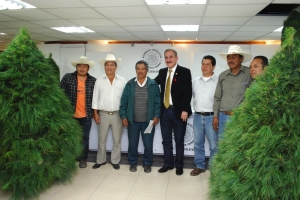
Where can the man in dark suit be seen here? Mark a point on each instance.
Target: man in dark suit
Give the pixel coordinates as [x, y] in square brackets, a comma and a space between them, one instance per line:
[176, 93]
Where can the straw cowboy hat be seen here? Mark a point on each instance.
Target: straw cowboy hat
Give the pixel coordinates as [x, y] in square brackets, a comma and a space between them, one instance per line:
[83, 60]
[110, 57]
[235, 49]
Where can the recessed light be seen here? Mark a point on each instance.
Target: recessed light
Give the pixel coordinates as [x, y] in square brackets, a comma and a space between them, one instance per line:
[14, 4]
[73, 29]
[180, 27]
[278, 30]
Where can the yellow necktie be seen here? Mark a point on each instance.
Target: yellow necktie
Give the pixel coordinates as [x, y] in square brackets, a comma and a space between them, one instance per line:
[167, 92]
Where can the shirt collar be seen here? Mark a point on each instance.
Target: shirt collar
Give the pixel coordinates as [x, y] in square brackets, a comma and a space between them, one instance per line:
[213, 77]
[173, 69]
[141, 85]
[241, 69]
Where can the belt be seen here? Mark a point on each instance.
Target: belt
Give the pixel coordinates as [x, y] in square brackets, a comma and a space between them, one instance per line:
[170, 106]
[110, 112]
[227, 112]
[205, 113]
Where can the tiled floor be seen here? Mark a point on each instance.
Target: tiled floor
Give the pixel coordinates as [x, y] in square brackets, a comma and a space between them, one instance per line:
[108, 183]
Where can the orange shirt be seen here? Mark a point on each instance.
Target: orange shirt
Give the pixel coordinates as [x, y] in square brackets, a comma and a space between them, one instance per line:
[80, 111]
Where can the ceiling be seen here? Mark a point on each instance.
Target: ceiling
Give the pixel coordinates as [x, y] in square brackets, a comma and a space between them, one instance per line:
[134, 20]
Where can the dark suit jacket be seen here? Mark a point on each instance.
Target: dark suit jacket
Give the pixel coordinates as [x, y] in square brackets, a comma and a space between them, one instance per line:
[181, 89]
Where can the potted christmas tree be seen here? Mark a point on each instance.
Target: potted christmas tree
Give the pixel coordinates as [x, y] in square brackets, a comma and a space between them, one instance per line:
[259, 156]
[39, 139]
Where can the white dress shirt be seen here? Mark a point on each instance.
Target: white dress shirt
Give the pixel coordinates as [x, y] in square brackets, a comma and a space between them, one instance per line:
[203, 93]
[107, 96]
[172, 75]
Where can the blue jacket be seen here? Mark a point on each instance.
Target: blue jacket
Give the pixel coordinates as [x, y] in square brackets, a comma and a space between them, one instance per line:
[127, 100]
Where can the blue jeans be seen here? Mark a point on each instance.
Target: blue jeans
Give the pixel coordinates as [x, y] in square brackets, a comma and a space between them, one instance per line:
[86, 125]
[223, 119]
[134, 131]
[202, 126]
[168, 124]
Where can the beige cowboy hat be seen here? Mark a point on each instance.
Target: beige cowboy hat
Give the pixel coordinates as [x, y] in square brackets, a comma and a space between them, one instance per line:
[83, 60]
[235, 49]
[110, 57]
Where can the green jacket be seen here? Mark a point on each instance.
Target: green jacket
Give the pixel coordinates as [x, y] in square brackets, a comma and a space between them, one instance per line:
[127, 100]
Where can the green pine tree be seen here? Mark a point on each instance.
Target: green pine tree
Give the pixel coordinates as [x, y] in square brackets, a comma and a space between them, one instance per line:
[259, 156]
[39, 139]
[55, 67]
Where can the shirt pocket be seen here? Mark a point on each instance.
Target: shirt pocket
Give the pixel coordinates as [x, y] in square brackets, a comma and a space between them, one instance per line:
[241, 88]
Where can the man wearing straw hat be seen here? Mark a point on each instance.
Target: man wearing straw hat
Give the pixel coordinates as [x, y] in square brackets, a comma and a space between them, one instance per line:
[79, 87]
[231, 86]
[106, 102]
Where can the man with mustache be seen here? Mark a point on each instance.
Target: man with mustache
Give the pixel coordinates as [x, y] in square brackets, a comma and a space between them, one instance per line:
[176, 94]
[140, 103]
[231, 86]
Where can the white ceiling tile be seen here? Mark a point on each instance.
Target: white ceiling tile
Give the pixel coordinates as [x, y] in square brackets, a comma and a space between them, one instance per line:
[254, 34]
[75, 13]
[216, 33]
[124, 12]
[218, 28]
[20, 24]
[234, 10]
[286, 1]
[65, 36]
[6, 18]
[143, 28]
[30, 14]
[113, 3]
[92, 36]
[11, 31]
[106, 29]
[177, 10]
[225, 20]
[153, 38]
[56, 3]
[258, 28]
[135, 22]
[93, 22]
[54, 23]
[267, 20]
[247, 38]
[246, 2]
[149, 34]
[274, 34]
[114, 34]
[179, 21]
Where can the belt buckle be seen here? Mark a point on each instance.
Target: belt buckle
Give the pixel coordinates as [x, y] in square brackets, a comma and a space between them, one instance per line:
[110, 113]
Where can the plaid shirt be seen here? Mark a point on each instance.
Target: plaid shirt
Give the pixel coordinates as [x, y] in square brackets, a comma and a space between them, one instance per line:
[69, 85]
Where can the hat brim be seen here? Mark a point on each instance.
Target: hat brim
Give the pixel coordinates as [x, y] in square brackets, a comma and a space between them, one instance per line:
[90, 63]
[118, 61]
[247, 56]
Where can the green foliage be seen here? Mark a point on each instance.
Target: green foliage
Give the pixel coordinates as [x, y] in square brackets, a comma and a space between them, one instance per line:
[54, 66]
[259, 156]
[39, 139]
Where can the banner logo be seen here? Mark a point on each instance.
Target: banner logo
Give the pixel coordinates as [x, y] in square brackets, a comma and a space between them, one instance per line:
[154, 58]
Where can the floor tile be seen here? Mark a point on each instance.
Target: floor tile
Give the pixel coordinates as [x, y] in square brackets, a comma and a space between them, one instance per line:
[151, 185]
[146, 196]
[185, 186]
[183, 196]
[110, 194]
[71, 192]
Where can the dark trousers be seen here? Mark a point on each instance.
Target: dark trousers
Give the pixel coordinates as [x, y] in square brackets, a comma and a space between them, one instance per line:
[86, 125]
[169, 123]
[134, 131]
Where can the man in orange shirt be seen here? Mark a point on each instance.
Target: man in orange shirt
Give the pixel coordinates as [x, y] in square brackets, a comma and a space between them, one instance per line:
[79, 87]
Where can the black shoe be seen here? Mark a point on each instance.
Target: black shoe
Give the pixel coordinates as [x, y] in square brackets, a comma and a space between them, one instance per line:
[133, 168]
[116, 166]
[82, 164]
[98, 165]
[147, 168]
[165, 168]
[179, 171]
